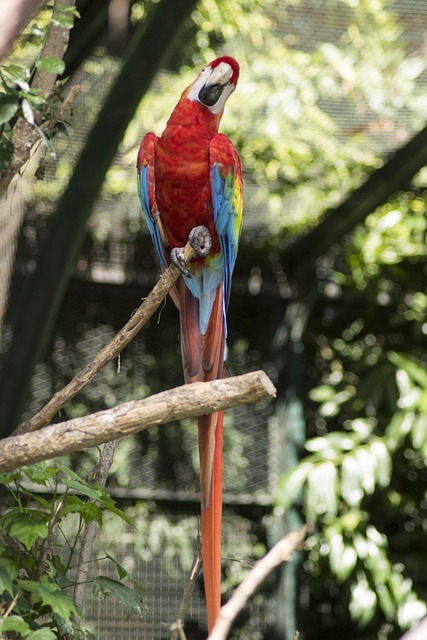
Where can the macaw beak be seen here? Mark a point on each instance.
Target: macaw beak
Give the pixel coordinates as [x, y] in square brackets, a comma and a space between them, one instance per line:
[213, 88]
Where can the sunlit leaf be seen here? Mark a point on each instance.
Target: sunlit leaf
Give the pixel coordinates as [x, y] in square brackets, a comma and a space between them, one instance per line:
[398, 428]
[17, 73]
[320, 494]
[411, 365]
[351, 489]
[384, 463]
[291, 483]
[51, 65]
[342, 557]
[363, 602]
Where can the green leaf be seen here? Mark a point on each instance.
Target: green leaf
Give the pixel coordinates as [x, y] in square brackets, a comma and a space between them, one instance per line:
[398, 428]
[363, 602]
[63, 20]
[6, 478]
[83, 488]
[8, 107]
[123, 573]
[14, 623]
[40, 472]
[10, 566]
[106, 587]
[41, 634]
[27, 528]
[17, 74]
[320, 495]
[351, 489]
[5, 582]
[50, 595]
[51, 65]
[291, 483]
[384, 462]
[332, 444]
[108, 502]
[342, 557]
[411, 365]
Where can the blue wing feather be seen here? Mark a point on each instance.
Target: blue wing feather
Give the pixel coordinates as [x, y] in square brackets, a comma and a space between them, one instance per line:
[152, 225]
[227, 203]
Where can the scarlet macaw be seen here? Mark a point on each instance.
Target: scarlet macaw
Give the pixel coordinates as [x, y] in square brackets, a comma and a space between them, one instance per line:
[189, 178]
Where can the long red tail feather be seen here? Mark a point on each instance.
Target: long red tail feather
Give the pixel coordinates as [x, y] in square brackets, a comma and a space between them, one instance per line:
[203, 359]
[212, 521]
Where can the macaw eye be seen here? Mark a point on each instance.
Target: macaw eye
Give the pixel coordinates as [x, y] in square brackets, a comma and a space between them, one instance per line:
[210, 94]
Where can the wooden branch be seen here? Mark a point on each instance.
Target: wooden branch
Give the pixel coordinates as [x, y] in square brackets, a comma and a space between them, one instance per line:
[111, 350]
[281, 551]
[186, 401]
[177, 628]
[417, 633]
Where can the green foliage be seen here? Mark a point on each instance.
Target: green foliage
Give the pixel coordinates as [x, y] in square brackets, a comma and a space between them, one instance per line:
[106, 587]
[347, 471]
[17, 97]
[34, 581]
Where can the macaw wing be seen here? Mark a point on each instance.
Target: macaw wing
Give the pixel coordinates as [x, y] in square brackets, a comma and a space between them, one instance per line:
[147, 196]
[227, 200]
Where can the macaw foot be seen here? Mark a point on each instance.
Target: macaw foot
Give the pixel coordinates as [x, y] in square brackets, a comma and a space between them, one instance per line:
[177, 257]
[200, 240]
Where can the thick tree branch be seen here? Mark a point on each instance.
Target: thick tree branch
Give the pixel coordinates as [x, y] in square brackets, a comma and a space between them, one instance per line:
[182, 402]
[281, 551]
[111, 350]
[417, 633]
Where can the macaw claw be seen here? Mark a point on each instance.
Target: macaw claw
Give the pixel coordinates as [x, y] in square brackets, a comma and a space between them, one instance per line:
[177, 257]
[200, 240]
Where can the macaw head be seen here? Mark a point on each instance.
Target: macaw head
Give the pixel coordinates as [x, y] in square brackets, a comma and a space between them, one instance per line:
[215, 84]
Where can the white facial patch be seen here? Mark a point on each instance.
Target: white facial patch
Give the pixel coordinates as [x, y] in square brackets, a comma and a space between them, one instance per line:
[220, 75]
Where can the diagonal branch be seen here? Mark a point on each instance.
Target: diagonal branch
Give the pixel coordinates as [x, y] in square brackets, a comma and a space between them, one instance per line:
[199, 398]
[281, 551]
[177, 628]
[110, 351]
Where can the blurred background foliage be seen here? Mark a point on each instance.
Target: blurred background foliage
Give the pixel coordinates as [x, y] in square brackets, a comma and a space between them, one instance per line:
[328, 91]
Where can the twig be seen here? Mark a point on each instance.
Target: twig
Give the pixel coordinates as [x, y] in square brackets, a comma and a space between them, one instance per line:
[12, 604]
[186, 401]
[111, 350]
[46, 542]
[281, 551]
[177, 628]
[417, 633]
[99, 475]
